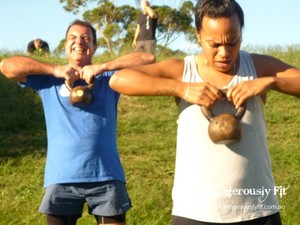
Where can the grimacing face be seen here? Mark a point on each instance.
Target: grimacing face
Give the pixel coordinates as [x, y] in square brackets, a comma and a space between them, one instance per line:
[220, 40]
[79, 45]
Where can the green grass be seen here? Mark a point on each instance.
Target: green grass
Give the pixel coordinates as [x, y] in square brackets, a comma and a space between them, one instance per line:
[146, 139]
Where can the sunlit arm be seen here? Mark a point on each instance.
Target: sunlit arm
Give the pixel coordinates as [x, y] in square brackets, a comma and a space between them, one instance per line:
[151, 12]
[278, 75]
[129, 60]
[288, 85]
[136, 35]
[135, 83]
[244, 90]
[273, 74]
[153, 79]
[163, 79]
[133, 59]
[19, 67]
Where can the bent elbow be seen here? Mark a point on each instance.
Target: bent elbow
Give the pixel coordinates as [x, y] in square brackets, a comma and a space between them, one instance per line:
[4, 69]
[148, 58]
[122, 83]
[152, 58]
[115, 82]
[8, 70]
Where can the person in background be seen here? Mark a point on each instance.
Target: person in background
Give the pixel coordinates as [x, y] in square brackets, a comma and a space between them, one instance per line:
[144, 38]
[38, 47]
[218, 183]
[83, 163]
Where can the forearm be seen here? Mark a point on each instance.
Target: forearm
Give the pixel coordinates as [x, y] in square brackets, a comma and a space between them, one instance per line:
[287, 85]
[136, 35]
[239, 93]
[134, 83]
[129, 60]
[151, 12]
[18, 67]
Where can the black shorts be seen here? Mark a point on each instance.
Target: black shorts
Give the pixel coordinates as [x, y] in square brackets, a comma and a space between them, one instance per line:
[268, 220]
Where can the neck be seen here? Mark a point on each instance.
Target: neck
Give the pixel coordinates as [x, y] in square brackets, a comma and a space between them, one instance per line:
[214, 77]
[78, 65]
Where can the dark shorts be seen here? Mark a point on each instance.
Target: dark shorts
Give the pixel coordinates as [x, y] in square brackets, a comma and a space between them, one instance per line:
[108, 198]
[268, 220]
[148, 46]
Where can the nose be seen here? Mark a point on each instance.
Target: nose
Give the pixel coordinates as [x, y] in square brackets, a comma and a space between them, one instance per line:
[223, 52]
[79, 39]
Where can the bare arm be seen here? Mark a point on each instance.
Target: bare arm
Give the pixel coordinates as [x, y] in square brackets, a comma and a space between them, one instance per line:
[273, 74]
[163, 79]
[151, 79]
[136, 35]
[19, 67]
[151, 12]
[281, 76]
[130, 60]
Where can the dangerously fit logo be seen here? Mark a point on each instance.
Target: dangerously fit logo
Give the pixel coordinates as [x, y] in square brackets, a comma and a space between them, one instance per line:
[262, 192]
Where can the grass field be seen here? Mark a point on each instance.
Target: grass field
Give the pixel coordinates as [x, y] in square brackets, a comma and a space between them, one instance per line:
[146, 138]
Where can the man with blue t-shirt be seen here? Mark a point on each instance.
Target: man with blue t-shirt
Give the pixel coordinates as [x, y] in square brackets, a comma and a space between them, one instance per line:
[83, 163]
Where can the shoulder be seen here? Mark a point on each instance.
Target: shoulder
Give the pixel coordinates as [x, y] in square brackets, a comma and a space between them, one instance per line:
[45, 43]
[172, 68]
[267, 65]
[155, 16]
[30, 43]
[173, 62]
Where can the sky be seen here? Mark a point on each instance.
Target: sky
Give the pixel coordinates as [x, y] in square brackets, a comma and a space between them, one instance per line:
[267, 23]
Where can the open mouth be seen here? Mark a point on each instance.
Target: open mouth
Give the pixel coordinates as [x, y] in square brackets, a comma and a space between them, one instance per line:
[79, 50]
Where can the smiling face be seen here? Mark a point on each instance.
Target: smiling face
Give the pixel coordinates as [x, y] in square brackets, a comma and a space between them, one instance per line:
[79, 45]
[220, 40]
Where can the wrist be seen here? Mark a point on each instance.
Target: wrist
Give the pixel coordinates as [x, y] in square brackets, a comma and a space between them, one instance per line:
[52, 69]
[187, 92]
[104, 67]
[182, 91]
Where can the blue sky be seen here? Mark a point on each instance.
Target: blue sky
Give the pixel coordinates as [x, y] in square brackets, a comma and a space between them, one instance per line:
[267, 22]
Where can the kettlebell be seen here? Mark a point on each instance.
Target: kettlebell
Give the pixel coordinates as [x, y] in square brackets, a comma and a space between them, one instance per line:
[80, 96]
[224, 128]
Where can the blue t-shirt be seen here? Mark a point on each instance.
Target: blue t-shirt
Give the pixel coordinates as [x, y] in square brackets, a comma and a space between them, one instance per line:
[81, 141]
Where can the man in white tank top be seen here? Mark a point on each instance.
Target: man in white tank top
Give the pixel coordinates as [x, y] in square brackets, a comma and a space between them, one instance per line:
[218, 183]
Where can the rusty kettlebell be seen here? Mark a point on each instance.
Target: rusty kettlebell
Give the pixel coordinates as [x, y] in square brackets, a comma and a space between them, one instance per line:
[224, 128]
[80, 96]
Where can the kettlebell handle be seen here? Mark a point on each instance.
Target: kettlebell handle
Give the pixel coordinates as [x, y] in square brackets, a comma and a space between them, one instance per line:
[89, 86]
[240, 112]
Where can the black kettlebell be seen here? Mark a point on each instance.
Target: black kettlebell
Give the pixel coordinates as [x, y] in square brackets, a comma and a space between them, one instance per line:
[80, 96]
[224, 128]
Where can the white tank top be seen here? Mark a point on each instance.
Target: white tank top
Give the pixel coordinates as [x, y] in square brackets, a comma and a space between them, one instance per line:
[222, 183]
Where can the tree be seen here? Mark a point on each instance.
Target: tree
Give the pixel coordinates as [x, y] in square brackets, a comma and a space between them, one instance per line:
[174, 22]
[116, 24]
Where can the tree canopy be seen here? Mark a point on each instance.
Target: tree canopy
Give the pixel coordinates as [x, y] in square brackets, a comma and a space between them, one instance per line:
[116, 24]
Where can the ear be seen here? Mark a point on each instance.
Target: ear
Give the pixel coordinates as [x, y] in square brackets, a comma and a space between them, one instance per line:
[65, 43]
[198, 39]
[95, 48]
